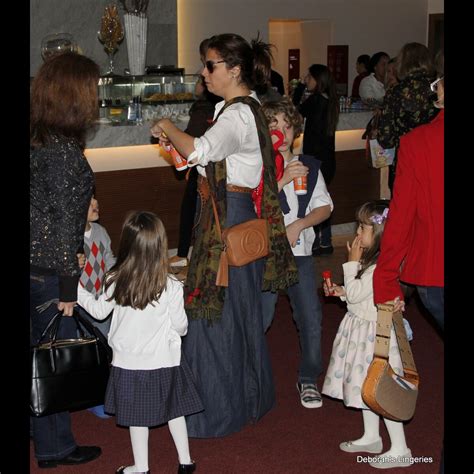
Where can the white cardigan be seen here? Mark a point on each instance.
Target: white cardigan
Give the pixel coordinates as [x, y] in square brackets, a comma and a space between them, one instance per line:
[143, 339]
[359, 291]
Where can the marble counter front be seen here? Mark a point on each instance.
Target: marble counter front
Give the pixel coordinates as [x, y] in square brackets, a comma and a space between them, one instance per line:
[107, 136]
[354, 120]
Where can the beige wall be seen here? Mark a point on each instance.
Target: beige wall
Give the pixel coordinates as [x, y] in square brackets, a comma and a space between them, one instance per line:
[435, 6]
[311, 37]
[367, 26]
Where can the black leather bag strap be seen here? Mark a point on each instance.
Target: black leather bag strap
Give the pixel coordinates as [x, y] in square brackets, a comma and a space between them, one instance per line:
[93, 331]
[51, 330]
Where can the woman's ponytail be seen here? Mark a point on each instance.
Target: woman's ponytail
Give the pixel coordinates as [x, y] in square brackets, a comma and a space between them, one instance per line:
[263, 58]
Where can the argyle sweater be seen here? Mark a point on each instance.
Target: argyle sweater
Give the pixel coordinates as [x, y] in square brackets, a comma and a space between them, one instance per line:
[99, 259]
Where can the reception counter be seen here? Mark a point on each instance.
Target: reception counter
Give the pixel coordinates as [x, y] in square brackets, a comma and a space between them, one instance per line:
[132, 173]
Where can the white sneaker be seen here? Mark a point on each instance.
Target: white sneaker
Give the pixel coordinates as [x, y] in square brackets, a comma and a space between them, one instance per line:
[309, 395]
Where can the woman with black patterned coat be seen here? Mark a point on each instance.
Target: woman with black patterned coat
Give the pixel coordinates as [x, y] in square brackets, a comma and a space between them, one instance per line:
[63, 108]
[409, 103]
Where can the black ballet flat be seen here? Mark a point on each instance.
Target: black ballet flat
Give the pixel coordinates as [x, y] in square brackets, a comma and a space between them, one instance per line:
[186, 468]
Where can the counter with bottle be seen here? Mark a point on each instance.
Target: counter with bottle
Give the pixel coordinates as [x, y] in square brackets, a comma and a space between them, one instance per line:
[132, 132]
[134, 173]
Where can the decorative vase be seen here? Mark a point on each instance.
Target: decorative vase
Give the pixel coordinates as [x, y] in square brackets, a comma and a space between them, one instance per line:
[136, 26]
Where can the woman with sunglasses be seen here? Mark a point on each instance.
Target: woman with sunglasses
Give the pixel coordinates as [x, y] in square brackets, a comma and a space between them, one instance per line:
[225, 345]
[409, 103]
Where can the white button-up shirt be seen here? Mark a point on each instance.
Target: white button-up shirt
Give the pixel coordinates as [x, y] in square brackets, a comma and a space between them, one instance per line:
[233, 137]
[319, 198]
[371, 88]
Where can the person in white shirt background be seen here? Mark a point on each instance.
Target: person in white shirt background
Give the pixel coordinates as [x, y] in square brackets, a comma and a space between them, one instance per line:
[372, 87]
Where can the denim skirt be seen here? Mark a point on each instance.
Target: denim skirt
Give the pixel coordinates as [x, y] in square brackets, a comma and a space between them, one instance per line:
[229, 358]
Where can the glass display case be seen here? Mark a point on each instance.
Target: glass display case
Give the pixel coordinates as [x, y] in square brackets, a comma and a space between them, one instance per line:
[152, 88]
[160, 93]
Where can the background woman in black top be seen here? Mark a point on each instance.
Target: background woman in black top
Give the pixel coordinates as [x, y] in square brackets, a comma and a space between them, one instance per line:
[64, 105]
[321, 112]
[201, 115]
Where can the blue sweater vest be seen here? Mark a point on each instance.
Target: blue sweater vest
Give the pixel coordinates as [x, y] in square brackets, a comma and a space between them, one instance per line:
[303, 200]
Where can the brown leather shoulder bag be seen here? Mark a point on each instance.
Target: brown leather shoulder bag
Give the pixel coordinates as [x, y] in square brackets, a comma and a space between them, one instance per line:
[243, 243]
[385, 392]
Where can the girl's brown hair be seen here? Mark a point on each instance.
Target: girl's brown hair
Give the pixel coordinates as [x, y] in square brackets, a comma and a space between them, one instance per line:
[64, 99]
[286, 107]
[141, 270]
[365, 215]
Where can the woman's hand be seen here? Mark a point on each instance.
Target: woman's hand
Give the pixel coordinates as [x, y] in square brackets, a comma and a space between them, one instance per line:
[158, 132]
[354, 251]
[81, 260]
[293, 232]
[295, 169]
[66, 308]
[398, 305]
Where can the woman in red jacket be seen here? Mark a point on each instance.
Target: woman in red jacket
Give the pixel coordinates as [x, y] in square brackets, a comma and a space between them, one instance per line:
[414, 233]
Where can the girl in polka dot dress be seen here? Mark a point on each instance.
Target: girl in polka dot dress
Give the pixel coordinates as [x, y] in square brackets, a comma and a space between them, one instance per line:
[353, 347]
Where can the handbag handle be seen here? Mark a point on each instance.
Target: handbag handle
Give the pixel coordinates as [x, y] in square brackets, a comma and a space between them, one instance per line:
[53, 326]
[385, 318]
[54, 321]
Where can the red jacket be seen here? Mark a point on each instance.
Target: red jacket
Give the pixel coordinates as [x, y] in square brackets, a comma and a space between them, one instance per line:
[414, 232]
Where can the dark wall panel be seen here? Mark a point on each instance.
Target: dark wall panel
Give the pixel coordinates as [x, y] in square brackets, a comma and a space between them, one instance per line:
[160, 191]
[149, 189]
[353, 184]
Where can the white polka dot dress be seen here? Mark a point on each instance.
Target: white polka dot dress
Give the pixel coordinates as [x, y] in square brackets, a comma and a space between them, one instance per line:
[353, 346]
[352, 353]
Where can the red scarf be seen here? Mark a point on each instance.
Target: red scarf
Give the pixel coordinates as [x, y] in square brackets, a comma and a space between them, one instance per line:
[277, 140]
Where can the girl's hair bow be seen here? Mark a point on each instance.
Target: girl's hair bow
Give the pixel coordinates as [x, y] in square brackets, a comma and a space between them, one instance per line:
[380, 218]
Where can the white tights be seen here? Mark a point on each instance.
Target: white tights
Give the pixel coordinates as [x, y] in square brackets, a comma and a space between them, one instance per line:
[139, 439]
[394, 428]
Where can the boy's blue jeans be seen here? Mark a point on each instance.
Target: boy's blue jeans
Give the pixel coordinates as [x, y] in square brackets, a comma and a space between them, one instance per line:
[52, 435]
[307, 314]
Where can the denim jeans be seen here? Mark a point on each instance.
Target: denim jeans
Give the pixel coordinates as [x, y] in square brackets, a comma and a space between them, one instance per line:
[52, 435]
[432, 298]
[307, 314]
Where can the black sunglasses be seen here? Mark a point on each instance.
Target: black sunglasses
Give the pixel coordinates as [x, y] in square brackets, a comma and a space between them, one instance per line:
[209, 65]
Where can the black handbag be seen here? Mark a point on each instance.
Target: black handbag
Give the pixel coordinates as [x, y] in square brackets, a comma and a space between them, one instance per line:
[69, 374]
